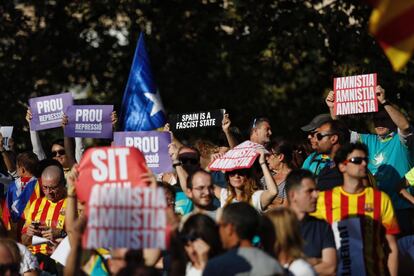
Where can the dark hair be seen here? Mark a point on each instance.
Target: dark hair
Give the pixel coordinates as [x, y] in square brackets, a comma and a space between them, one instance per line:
[191, 177]
[59, 142]
[291, 155]
[29, 161]
[342, 154]
[256, 122]
[203, 227]
[191, 148]
[295, 177]
[341, 130]
[243, 217]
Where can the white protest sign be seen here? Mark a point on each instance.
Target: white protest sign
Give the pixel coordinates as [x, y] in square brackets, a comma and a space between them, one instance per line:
[6, 132]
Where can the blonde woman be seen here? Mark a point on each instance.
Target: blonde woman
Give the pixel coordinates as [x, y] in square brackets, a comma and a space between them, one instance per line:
[288, 245]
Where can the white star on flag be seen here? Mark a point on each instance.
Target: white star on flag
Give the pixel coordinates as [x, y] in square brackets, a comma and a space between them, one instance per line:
[379, 159]
[156, 102]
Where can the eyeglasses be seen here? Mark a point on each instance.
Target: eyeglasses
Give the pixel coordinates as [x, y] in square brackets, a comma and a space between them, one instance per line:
[239, 173]
[61, 152]
[189, 161]
[200, 189]
[320, 135]
[356, 160]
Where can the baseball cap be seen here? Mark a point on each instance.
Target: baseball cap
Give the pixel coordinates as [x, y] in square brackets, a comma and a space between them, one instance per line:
[317, 121]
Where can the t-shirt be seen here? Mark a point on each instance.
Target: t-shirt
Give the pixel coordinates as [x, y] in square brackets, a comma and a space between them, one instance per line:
[255, 200]
[317, 235]
[389, 160]
[243, 261]
[315, 162]
[183, 205]
[373, 211]
[329, 177]
[51, 214]
[299, 267]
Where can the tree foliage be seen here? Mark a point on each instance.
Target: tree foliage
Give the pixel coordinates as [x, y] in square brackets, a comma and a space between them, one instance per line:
[274, 58]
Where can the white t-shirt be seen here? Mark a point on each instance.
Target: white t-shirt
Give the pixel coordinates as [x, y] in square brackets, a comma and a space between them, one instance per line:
[29, 261]
[190, 270]
[255, 201]
[300, 267]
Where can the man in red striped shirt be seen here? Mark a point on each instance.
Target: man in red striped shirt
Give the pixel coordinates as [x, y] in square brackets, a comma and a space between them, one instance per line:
[362, 218]
[46, 217]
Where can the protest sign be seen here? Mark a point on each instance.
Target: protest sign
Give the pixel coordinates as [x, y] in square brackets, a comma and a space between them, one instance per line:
[89, 121]
[153, 144]
[47, 111]
[355, 94]
[121, 210]
[349, 246]
[200, 119]
[240, 157]
[6, 132]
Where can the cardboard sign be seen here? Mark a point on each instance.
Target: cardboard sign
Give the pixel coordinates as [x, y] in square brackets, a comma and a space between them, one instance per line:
[6, 132]
[355, 94]
[349, 246]
[89, 121]
[121, 210]
[200, 119]
[240, 157]
[47, 111]
[153, 144]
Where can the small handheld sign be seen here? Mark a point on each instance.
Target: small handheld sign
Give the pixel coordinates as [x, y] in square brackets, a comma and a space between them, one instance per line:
[240, 157]
[122, 211]
[89, 121]
[355, 94]
[48, 111]
[6, 132]
[201, 119]
[153, 144]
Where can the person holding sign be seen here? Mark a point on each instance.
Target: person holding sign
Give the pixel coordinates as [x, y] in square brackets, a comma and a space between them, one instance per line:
[390, 154]
[359, 215]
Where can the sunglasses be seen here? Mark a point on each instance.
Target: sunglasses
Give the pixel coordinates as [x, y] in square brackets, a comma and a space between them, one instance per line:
[189, 161]
[239, 173]
[357, 160]
[320, 135]
[61, 152]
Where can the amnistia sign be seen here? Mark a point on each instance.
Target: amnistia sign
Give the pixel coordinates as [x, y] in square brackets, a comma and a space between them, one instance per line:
[122, 211]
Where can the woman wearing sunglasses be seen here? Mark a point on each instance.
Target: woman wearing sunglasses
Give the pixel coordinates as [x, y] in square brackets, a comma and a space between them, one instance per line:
[242, 187]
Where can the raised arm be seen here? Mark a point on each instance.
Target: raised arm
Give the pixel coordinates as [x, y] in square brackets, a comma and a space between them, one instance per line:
[330, 103]
[68, 144]
[35, 139]
[10, 166]
[396, 116]
[225, 125]
[181, 173]
[268, 195]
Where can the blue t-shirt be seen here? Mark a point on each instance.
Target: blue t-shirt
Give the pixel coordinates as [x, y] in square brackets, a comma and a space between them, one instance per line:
[389, 160]
[316, 162]
[183, 205]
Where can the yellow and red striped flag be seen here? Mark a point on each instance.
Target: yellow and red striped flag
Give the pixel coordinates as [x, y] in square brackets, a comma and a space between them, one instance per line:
[392, 24]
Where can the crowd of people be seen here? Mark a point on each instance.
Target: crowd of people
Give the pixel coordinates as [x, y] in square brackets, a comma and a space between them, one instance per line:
[339, 203]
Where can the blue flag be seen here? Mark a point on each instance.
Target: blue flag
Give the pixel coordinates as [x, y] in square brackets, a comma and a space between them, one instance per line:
[141, 106]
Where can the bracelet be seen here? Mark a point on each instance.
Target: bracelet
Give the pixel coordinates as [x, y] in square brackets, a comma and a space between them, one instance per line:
[177, 164]
[263, 163]
[386, 103]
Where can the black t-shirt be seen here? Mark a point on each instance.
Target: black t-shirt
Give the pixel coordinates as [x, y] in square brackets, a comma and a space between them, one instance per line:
[329, 177]
[317, 235]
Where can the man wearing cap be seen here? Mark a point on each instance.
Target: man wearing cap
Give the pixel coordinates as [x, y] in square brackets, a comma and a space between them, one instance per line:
[390, 154]
[315, 162]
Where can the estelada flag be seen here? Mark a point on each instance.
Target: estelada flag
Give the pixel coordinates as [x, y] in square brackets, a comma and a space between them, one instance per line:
[392, 24]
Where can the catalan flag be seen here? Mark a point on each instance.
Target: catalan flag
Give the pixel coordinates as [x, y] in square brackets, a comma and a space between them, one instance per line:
[392, 24]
